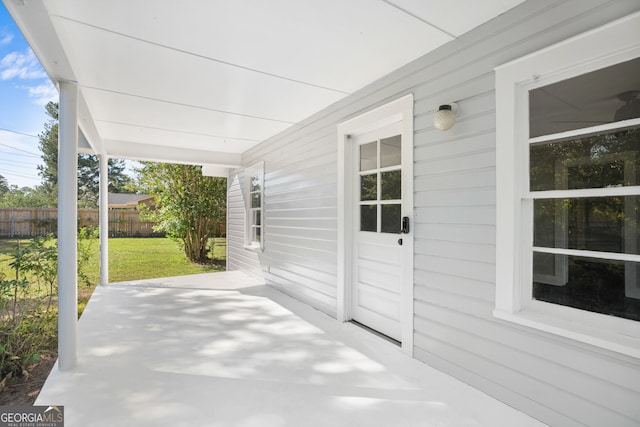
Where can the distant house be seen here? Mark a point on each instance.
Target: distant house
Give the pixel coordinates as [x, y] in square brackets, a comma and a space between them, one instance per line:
[129, 201]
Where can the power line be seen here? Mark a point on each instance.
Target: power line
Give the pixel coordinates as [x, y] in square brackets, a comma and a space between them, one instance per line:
[20, 175]
[29, 154]
[19, 133]
[16, 161]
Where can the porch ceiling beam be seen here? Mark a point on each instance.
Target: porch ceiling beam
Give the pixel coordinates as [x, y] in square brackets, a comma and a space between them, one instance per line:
[88, 127]
[145, 152]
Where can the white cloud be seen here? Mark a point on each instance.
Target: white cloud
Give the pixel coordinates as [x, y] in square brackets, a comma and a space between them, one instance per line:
[21, 65]
[43, 93]
[5, 38]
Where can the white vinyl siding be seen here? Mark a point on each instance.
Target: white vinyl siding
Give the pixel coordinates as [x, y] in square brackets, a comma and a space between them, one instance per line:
[559, 381]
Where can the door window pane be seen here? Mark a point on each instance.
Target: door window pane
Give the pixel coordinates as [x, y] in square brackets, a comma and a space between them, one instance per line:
[593, 161]
[390, 151]
[391, 218]
[369, 218]
[369, 156]
[597, 285]
[369, 187]
[391, 185]
[603, 96]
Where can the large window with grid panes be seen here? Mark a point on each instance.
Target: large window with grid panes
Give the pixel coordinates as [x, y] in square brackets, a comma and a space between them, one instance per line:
[568, 155]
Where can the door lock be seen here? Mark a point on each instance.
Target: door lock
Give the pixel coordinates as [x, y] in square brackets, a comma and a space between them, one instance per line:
[405, 225]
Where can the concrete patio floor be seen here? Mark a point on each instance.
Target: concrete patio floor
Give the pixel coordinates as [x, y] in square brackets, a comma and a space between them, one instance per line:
[220, 350]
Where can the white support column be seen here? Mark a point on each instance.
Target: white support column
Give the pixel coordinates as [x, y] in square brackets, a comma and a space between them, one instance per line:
[68, 226]
[104, 220]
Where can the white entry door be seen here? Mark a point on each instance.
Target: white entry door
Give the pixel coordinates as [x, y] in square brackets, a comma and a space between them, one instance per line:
[380, 227]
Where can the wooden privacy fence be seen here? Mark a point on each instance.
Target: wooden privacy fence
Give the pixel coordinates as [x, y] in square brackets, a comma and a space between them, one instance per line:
[28, 222]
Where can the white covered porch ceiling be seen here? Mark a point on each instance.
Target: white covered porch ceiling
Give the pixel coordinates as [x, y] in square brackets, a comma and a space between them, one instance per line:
[202, 81]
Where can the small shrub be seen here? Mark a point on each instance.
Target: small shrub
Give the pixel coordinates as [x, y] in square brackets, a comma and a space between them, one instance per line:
[87, 239]
[27, 316]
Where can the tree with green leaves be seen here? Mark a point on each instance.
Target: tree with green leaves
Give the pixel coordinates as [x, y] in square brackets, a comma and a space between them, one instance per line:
[188, 205]
[88, 167]
[26, 197]
[4, 186]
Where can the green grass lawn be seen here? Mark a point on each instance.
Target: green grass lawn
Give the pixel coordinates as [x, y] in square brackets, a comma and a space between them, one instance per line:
[131, 259]
[137, 258]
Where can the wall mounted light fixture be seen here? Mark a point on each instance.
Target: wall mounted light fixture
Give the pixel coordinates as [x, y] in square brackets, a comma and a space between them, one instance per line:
[445, 117]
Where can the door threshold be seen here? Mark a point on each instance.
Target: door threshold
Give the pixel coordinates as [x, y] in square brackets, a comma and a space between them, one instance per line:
[373, 331]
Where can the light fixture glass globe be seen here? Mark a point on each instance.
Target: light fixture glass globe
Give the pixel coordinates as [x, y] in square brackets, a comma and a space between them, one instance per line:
[445, 118]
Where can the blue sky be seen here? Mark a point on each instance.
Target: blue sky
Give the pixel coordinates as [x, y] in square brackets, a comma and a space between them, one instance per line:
[24, 91]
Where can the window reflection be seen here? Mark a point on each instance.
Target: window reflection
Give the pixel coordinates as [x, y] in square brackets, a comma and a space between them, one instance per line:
[593, 284]
[391, 218]
[594, 161]
[603, 224]
[603, 96]
[369, 187]
[391, 185]
[390, 151]
[369, 218]
[369, 156]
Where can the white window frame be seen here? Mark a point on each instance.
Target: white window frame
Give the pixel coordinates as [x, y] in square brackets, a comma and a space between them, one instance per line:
[608, 45]
[256, 169]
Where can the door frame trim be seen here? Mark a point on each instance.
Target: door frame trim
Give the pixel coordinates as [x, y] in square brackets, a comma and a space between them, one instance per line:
[400, 110]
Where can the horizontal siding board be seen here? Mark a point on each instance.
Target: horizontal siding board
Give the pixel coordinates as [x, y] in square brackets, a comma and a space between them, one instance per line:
[548, 375]
[477, 234]
[468, 179]
[323, 224]
[582, 413]
[477, 252]
[472, 160]
[298, 252]
[325, 273]
[309, 202]
[464, 145]
[551, 416]
[303, 233]
[321, 190]
[302, 242]
[438, 307]
[306, 212]
[479, 215]
[461, 286]
[316, 169]
[301, 181]
[456, 267]
[311, 296]
[457, 197]
[304, 280]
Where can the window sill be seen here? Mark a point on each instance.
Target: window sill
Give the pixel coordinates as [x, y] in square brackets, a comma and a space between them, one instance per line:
[623, 344]
[255, 247]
